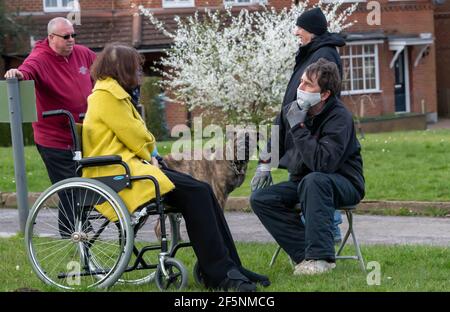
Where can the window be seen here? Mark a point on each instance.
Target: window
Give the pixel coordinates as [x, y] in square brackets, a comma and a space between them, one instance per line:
[61, 5]
[243, 2]
[178, 3]
[360, 68]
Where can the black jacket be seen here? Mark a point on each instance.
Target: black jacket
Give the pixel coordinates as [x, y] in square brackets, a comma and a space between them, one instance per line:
[321, 46]
[326, 144]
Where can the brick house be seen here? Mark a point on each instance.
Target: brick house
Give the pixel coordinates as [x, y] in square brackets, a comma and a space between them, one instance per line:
[397, 66]
[442, 33]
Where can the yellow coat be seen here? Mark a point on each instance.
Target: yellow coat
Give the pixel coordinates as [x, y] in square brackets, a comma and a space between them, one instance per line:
[113, 126]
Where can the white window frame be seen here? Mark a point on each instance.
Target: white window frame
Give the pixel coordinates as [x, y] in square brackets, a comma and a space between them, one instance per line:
[363, 55]
[61, 8]
[250, 2]
[178, 4]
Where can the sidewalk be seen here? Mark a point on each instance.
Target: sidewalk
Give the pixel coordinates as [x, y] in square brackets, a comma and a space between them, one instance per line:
[246, 227]
[443, 123]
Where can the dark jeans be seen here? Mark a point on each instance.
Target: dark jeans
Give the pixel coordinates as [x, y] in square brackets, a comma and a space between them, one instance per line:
[60, 166]
[206, 225]
[319, 194]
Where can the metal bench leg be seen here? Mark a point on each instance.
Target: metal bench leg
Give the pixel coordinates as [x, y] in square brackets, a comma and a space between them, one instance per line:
[274, 257]
[347, 234]
[355, 243]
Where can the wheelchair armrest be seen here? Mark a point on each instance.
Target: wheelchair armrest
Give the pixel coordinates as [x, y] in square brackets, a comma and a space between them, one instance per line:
[103, 161]
[100, 160]
[155, 183]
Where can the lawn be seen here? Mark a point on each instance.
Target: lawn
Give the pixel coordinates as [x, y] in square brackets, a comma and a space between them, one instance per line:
[411, 165]
[403, 268]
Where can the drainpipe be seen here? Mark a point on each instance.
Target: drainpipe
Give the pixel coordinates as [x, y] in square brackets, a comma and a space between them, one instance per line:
[136, 30]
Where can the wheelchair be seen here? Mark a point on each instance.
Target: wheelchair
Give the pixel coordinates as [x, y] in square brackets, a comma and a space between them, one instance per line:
[98, 250]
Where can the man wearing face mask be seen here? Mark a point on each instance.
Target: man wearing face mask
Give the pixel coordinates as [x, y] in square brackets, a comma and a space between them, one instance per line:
[322, 155]
[315, 42]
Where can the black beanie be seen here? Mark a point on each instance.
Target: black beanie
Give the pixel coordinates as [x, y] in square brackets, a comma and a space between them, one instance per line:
[313, 21]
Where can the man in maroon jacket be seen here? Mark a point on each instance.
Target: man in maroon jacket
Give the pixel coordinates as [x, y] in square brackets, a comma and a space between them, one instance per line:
[60, 70]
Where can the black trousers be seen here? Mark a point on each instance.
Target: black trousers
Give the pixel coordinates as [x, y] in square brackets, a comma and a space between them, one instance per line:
[206, 225]
[319, 194]
[60, 165]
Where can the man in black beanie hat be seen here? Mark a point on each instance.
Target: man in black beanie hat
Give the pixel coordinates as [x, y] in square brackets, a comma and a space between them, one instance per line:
[313, 21]
[315, 42]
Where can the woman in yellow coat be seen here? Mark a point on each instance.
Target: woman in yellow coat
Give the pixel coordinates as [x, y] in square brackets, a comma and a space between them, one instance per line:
[113, 126]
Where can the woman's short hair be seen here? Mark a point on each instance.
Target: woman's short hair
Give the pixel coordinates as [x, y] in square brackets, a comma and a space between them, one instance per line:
[327, 75]
[120, 62]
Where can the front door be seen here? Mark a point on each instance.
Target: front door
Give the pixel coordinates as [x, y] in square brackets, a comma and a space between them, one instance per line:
[400, 84]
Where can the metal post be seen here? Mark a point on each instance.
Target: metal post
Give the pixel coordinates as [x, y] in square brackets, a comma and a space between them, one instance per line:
[18, 150]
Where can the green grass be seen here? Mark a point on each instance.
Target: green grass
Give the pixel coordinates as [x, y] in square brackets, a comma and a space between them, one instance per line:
[403, 268]
[411, 165]
[406, 212]
[408, 165]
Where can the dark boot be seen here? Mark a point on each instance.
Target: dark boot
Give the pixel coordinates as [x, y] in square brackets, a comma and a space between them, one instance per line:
[255, 277]
[236, 281]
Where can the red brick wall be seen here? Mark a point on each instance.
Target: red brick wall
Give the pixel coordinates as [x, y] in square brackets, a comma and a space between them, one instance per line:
[176, 114]
[37, 5]
[25, 5]
[442, 27]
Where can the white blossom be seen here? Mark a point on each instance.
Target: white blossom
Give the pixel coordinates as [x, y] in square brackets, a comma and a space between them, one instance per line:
[236, 67]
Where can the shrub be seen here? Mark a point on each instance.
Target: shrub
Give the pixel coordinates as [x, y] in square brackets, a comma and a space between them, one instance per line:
[153, 104]
[5, 134]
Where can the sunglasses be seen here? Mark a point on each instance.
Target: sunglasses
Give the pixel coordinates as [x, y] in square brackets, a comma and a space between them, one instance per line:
[66, 37]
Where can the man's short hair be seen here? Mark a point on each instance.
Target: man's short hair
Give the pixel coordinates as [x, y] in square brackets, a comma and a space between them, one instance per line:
[55, 21]
[327, 75]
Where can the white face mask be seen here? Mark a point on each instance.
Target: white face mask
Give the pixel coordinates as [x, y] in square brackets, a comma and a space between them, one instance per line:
[306, 100]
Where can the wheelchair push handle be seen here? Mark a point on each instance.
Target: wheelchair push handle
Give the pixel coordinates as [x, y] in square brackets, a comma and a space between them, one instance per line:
[72, 124]
[55, 112]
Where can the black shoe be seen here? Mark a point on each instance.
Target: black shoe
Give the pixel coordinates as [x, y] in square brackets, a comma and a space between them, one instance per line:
[255, 277]
[236, 281]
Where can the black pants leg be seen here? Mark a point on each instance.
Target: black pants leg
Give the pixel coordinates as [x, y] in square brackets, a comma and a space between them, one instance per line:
[60, 165]
[206, 225]
[319, 194]
[274, 207]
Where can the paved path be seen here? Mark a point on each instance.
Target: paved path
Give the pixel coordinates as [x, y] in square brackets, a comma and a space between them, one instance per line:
[443, 123]
[369, 229]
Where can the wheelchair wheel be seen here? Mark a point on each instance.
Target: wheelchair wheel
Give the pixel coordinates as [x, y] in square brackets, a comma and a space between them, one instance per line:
[198, 275]
[177, 275]
[147, 236]
[70, 244]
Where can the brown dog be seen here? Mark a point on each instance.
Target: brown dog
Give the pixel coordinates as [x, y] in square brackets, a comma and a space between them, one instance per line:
[224, 176]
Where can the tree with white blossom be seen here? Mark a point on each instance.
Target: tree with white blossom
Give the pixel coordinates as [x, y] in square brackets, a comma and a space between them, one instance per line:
[236, 67]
